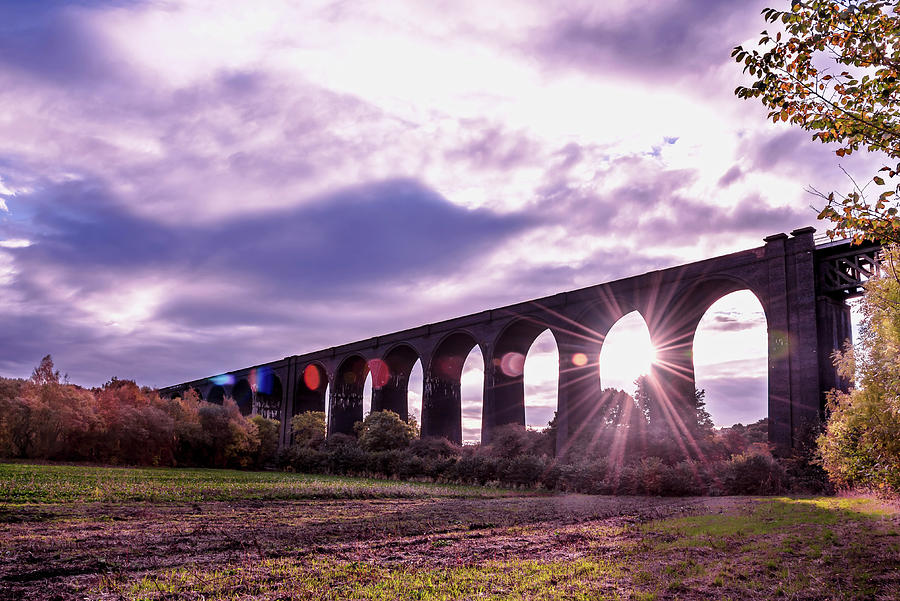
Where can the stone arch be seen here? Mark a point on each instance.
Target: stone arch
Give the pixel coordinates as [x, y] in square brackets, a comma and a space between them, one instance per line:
[441, 403]
[618, 353]
[390, 379]
[580, 341]
[731, 359]
[347, 394]
[243, 396]
[541, 380]
[504, 382]
[216, 394]
[269, 393]
[672, 329]
[309, 389]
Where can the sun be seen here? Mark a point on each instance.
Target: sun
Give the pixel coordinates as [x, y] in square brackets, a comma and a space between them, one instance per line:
[627, 353]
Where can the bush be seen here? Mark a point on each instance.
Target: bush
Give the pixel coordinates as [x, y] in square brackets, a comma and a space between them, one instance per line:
[514, 440]
[524, 470]
[384, 463]
[753, 474]
[384, 431]
[306, 460]
[267, 433]
[861, 444]
[308, 429]
[347, 459]
[434, 448]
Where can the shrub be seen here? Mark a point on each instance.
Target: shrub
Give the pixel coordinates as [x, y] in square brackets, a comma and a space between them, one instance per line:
[308, 429]
[306, 460]
[514, 440]
[267, 433]
[384, 431]
[524, 470]
[861, 444]
[347, 459]
[385, 463]
[751, 474]
[434, 448]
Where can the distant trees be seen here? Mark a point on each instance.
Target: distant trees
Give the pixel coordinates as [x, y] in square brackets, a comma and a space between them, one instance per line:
[44, 418]
[628, 445]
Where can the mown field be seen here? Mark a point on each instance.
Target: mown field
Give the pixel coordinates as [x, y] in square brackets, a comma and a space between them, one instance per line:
[113, 533]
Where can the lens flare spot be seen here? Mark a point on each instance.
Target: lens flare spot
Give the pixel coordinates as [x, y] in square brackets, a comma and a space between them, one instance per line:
[223, 380]
[311, 377]
[579, 359]
[380, 373]
[512, 364]
[265, 380]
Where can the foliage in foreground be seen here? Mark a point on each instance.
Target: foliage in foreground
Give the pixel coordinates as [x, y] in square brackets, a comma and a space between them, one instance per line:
[861, 446]
[832, 67]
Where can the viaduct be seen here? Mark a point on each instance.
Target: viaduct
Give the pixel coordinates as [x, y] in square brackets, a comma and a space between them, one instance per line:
[801, 286]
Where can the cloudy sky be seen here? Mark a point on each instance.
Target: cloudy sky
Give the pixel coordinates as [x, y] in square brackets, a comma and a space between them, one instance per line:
[192, 187]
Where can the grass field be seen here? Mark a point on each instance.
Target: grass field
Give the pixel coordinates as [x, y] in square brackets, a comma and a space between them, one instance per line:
[25, 483]
[383, 540]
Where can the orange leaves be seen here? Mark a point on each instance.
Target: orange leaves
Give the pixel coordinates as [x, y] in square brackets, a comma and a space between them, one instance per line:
[832, 68]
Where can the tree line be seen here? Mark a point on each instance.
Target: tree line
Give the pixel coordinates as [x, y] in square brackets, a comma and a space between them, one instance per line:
[122, 423]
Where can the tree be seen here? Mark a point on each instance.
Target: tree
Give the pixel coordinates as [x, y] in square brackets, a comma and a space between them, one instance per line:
[384, 431]
[267, 432]
[861, 443]
[44, 374]
[834, 69]
[308, 429]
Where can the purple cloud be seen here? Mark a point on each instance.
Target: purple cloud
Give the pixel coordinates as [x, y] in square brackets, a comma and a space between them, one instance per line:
[671, 40]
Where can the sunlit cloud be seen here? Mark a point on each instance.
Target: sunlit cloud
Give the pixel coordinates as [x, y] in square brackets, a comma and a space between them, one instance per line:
[15, 243]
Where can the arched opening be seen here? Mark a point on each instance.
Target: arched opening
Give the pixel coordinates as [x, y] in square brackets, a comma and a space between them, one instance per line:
[731, 359]
[472, 396]
[541, 380]
[626, 354]
[243, 396]
[310, 390]
[442, 403]
[328, 409]
[269, 393]
[367, 396]
[414, 392]
[505, 403]
[216, 395]
[391, 380]
[347, 394]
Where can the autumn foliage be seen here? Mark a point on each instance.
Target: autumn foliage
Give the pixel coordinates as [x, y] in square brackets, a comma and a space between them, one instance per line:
[121, 423]
[832, 67]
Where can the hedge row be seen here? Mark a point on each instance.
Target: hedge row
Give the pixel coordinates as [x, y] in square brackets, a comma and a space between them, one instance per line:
[742, 474]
